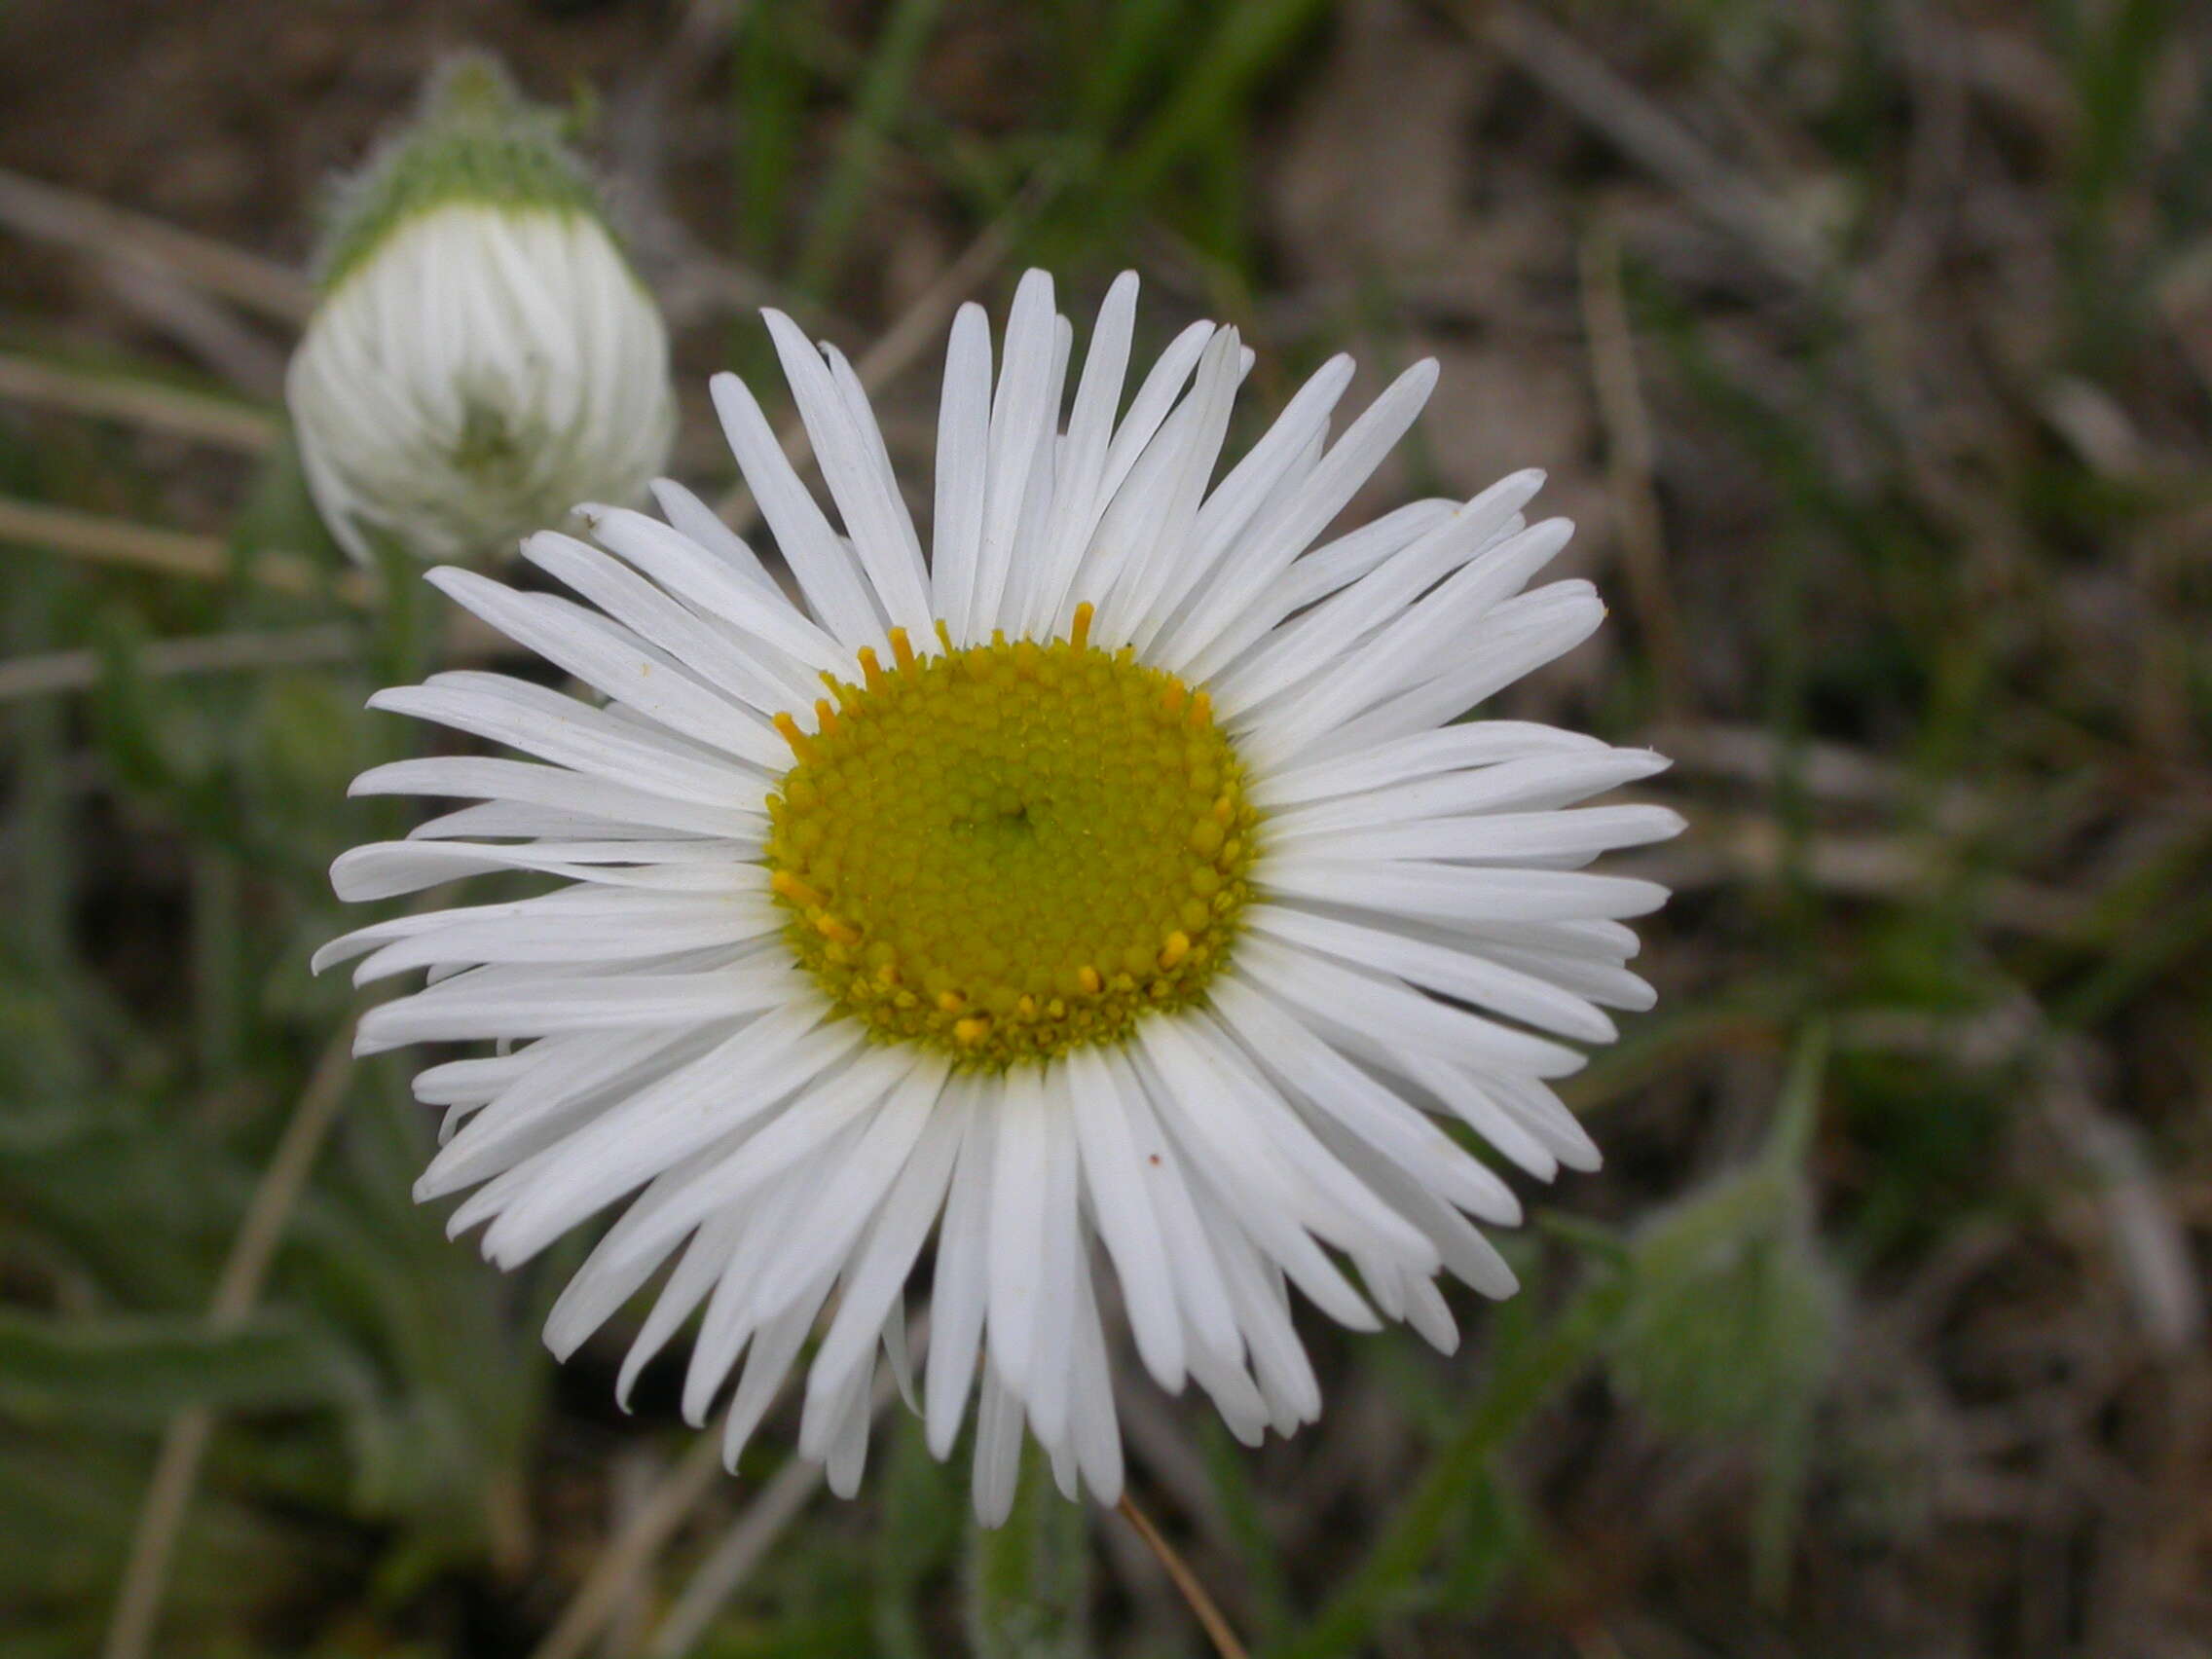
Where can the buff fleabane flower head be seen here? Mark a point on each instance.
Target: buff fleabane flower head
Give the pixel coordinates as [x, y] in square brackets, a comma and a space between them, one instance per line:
[1108, 894]
[483, 356]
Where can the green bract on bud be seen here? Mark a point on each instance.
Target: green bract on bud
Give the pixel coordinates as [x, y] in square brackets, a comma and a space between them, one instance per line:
[1732, 1318]
[484, 356]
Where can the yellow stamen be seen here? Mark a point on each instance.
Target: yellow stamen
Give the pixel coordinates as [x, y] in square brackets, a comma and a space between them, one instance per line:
[802, 744]
[1079, 631]
[786, 885]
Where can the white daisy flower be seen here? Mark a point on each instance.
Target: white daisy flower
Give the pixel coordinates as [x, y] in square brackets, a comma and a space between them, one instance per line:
[483, 356]
[1133, 898]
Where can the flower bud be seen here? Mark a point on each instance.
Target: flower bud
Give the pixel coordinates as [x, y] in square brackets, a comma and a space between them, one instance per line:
[1733, 1317]
[484, 357]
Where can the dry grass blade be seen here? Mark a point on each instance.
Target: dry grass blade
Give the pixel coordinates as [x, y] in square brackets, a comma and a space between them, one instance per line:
[188, 415]
[1629, 464]
[1647, 134]
[735, 1557]
[165, 552]
[137, 1603]
[629, 1554]
[51, 213]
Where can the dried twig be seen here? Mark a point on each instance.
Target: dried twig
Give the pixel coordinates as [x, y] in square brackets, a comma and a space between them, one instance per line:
[1202, 1607]
[53, 213]
[176, 1470]
[192, 415]
[168, 552]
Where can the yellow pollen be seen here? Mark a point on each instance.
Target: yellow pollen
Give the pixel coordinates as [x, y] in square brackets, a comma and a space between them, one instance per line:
[1008, 851]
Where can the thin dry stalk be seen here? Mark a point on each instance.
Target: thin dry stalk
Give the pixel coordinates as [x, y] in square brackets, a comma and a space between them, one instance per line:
[137, 1603]
[199, 324]
[734, 1560]
[210, 653]
[630, 1553]
[166, 552]
[216, 421]
[1202, 1607]
[49, 213]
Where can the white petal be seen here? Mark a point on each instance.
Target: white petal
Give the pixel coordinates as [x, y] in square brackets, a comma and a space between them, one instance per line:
[690, 516]
[1020, 1176]
[878, 1274]
[555, 787]
[962, 471]
[825, 572]
[960, 1286]
[586, 647]
[690, 573]
[1437, 968]
[1114, 1175]
[1083, 459]
[858, 480]
[1284, 531]
[1022, 416]
[569, 734]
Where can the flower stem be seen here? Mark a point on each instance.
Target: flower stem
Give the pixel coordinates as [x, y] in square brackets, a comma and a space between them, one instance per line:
[1028, 1580]
[1528, 1380]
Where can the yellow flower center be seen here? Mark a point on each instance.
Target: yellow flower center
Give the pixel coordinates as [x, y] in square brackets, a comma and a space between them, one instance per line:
[1008, 851]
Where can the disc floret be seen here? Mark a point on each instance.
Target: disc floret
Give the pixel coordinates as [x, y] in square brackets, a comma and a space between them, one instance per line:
[1008, 850]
